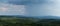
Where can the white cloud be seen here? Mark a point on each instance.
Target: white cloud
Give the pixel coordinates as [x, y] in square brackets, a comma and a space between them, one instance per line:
[10, 9]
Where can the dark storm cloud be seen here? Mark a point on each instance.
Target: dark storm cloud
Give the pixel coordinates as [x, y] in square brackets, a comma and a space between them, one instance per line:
[19, 2]
[23, 2]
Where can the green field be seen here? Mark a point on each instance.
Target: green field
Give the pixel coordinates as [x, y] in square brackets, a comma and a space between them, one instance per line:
[27, 21]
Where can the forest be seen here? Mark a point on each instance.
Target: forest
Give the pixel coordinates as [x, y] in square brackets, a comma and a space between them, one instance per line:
[27, 21]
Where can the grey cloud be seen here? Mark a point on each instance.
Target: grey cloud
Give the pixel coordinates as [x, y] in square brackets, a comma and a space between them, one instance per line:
[45, 9]
[23, 2]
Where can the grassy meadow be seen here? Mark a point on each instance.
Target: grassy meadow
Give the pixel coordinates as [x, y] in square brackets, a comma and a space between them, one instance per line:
[27, 21]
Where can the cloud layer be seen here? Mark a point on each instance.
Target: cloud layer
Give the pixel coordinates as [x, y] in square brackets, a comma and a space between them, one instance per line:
[51, 7]
[23, 2]
[30, 7]
[10, 9]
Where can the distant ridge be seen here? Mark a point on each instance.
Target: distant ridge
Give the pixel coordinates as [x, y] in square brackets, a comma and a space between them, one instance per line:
[39, 17]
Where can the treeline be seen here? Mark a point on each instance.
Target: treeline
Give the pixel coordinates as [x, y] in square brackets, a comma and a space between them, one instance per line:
[22, 21]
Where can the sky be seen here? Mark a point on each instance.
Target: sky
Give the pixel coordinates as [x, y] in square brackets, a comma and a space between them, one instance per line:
[11, 9]
[30, 7]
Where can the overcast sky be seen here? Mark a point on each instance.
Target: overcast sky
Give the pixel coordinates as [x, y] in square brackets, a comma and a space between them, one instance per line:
[7, 8]
[30, 7]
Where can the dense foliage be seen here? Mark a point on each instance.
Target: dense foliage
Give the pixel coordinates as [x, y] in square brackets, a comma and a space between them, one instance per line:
[28, 21]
